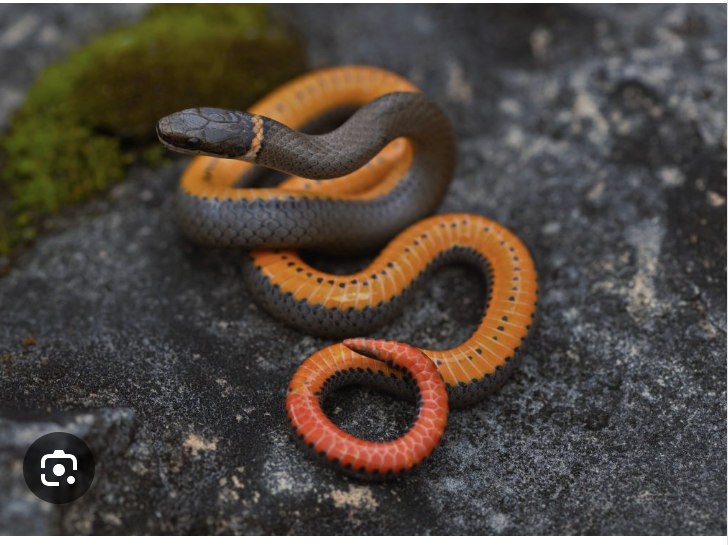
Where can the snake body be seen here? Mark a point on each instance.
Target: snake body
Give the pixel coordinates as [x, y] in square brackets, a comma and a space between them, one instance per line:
[352, 190]
[214, 213]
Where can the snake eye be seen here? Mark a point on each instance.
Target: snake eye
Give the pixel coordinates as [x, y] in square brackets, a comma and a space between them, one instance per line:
[194, 141]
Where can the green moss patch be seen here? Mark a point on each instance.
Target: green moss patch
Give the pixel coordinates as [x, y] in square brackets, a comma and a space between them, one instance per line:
[86, 119]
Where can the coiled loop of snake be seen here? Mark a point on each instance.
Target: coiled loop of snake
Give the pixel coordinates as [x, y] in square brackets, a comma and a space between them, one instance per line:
[354, 189]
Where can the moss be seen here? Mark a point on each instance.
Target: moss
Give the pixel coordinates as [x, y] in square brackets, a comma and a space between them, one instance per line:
[86, 119]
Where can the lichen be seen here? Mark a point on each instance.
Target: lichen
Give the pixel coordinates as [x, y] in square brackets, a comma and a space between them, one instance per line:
[89, 117]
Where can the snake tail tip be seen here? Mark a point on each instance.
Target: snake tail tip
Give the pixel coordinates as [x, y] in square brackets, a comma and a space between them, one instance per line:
[385, 351]
[361, 345]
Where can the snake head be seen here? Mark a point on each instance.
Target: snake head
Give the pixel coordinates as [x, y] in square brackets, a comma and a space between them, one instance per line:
[212, 131]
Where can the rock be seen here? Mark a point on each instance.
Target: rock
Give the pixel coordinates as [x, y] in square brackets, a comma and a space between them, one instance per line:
[596, 133]
[33, 38]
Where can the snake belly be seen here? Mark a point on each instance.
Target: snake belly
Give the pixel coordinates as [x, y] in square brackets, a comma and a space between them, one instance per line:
[300, 295]
[353, 190]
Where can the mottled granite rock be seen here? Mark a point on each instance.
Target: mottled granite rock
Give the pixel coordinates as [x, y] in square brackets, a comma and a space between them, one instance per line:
[595, 133]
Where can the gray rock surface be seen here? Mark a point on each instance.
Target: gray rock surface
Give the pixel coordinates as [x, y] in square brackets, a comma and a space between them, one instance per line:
[33, 37]
[596, 133]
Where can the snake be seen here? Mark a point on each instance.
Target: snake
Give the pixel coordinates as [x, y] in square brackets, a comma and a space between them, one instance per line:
[371, 184]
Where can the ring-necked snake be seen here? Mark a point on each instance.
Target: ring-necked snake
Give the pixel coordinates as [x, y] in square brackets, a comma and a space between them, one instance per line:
[352, 190]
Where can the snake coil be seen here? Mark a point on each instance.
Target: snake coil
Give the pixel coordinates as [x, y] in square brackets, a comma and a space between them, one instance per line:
[368, 183]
